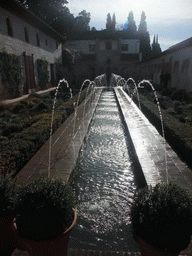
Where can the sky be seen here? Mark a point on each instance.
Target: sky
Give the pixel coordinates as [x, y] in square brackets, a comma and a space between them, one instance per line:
[170, 19]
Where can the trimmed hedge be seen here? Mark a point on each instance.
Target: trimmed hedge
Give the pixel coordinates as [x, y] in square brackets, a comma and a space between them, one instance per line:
[177, 134]
[22, 134]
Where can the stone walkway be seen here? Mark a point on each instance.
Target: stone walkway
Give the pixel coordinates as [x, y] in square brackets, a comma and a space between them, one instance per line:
[149, 149]
[13, 101]
[154, 153]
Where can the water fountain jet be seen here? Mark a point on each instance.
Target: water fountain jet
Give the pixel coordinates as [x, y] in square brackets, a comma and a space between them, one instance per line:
[52, 116]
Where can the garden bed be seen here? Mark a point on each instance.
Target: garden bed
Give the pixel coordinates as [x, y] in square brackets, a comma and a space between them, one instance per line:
[25, 127]
[177, 133]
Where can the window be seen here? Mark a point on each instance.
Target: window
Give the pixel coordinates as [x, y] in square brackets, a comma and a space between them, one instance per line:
[124, 47]
[26, 34]
[92, 47]
[37, 37]
[108, 46]
[9, 27]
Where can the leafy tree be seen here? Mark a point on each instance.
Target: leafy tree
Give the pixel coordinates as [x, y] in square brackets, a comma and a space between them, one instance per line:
[131, 23]
[82, 21]
[45, 9]
[143, 24]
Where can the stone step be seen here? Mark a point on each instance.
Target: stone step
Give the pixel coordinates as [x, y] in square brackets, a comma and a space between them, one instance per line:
[81, 252]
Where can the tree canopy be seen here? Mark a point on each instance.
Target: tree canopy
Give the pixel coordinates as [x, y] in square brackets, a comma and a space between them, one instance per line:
[111, 22]
[143, 24]
[155, 48]
[82, 21]
[131, 23]
[57, 15]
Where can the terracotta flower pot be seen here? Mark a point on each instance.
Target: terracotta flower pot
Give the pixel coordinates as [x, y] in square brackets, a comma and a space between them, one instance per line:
[148, 250]
[7, 238]
[57, 246]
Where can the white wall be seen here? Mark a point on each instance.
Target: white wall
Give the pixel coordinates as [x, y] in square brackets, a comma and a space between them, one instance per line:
[133, 44]
[81, 45]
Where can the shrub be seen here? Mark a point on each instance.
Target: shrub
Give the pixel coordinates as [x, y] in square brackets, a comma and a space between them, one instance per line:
[7, 191]
[162, 216]
[10, 69]
[43, 73]
[40, 107]
[50, 203]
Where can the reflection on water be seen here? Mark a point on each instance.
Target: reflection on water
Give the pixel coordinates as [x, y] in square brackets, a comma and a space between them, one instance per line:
[104, 184]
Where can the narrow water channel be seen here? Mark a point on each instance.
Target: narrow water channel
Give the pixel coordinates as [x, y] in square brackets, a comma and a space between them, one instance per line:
[104, 184]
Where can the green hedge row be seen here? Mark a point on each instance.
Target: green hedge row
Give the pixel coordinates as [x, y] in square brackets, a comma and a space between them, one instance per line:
[19, 145]
[177, 134]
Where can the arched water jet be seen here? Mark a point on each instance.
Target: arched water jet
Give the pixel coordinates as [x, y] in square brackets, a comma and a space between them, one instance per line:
[161, 119]
[125, 85]
[92, 85]
[52, 116]
[77, 103]
[135, 90]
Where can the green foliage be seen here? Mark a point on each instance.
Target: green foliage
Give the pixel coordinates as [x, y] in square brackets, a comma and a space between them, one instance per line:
[162, 216]
[7, 191]
[10, 69]
[23, 133]
[82, 21]
[131, 23]
[44, 208]
[43, 73]
[177, 134]
[155, 48]
[40, 107]
[143, 24]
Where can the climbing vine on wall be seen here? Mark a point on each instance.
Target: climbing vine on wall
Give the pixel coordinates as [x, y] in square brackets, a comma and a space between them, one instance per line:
[43, 73]
[10, 69]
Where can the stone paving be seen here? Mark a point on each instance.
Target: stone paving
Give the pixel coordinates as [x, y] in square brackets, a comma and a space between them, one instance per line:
[149, 149]
[154, 153]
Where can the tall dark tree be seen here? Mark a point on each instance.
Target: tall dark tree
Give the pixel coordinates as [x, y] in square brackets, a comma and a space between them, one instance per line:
[109, 21]
[143, 24]
[82, 21]
[113, 22]
[155, 47]
[145, 47]
[131, 23]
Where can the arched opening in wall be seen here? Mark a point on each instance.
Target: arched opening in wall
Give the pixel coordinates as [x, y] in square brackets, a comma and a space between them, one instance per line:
[115, 70]
[108, 45]
[9, 27]
[176, 67]
[37, 37]
[26, 34]
[101, 70]
[92, 72]
[185, 66]
[108, 62]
